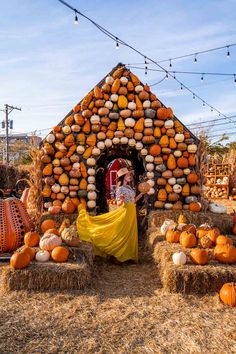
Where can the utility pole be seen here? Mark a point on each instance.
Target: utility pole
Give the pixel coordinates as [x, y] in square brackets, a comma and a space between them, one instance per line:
[6, 125]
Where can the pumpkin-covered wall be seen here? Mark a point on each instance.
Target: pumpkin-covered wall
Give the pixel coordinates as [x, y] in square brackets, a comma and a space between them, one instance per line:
[119, 111]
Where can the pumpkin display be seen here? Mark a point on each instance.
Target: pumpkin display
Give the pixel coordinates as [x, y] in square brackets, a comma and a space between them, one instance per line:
[60, 254]
[119, 111]
[20, 260]
[228, 294]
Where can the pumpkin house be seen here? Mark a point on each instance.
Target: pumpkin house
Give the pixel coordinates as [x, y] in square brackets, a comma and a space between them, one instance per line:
[120, 118]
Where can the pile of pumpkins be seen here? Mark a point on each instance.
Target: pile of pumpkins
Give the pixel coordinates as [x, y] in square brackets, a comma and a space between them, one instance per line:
[200, 240]
[121, 111]
[48, 247]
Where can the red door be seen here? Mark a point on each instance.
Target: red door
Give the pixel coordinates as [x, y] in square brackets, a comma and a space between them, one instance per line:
[111, 175]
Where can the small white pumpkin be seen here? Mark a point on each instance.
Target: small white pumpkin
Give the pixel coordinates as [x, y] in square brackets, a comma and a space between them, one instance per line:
[116, 141]
[114, 97]
[150, 166]
[218, 209]
[75, 128]
[80, 149]
[179, 258]
[138, 88]
[108, 143]
[151, 191]
[177, 188]
[95, 119]
[151, 182]
[50, 138]
[172, 181]
[91, 187]
[132, 106]
[150, 175]
[149, 158]
[124, 80]
[169, 124]
[179, 138]
[166, 225]
[192, 148]
[91, 171]
[91, 179]
[109, 104]
[96, 151]
[187, 171]
[148, 122]
[109, 80]
[92, 195]
[91, 161]
[74, 158]
[42, 256]
[91, 204]
[177, 153]
[101, 145]
[56, 188]
[130, 122]
[146, 104]
[124, 140]
[168, 206]
[64, 189]
[76, 165]
[139, 146]
[144, 152]
[132, 142]
[66, 129]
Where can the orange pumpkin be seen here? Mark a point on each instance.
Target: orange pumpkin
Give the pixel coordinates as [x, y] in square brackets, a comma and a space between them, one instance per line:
[48, 224]
[182, 162]
[187, 240]
[199, 256]
[203, 230]
[31, 239]
[29, 250]
[192, 178]
[60, 254]
[195, 206]
[68, 207]
[224, 240]
[172, 236]
[162, 113]
[190, 228]
[225, 253]
[213, 233]
[228, 294]
[19, 260]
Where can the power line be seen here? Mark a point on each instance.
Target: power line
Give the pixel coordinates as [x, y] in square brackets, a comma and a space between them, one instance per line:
[210, 121]
[212, 125]
[226, 134]
[118, 41]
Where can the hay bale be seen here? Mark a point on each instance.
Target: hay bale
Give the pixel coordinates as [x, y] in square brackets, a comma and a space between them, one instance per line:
[59, 217]
[222, 221]
[73, 275]
[190, 278]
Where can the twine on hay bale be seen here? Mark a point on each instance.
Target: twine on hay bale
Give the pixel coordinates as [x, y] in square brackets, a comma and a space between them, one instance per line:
[189, 278]
[222, 221]
[73, 275]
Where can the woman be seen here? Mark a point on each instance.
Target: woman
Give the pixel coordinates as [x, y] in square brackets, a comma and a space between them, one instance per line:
[114, 233]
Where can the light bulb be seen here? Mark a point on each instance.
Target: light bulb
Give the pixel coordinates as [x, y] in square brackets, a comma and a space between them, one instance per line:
[76, 19]
[228, 52]
[117, 43]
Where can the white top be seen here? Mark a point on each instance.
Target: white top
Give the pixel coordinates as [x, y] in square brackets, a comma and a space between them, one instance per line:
[127, 193]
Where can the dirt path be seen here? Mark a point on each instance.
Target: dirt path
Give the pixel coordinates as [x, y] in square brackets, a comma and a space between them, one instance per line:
[124, 311]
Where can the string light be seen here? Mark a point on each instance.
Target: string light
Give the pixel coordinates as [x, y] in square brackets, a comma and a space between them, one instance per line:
[195, 58]
[174, 75]
[170, 65]
[194, 96]
[76, 22]
[235, 78]
[202, 77]
[146, 69]
[181, 87]
[117, 43]
[228, 52]
[203, 103]
[167, 76]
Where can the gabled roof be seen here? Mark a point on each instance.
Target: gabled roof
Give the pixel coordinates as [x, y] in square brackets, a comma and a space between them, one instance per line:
[101, 83]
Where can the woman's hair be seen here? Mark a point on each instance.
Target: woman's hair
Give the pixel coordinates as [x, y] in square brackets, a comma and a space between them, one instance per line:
[120, 181]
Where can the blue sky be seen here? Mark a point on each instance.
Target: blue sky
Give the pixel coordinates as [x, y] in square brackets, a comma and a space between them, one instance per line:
[47, 64]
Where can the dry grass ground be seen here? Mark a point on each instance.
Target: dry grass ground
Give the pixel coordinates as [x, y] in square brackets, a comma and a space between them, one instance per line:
[124, 311]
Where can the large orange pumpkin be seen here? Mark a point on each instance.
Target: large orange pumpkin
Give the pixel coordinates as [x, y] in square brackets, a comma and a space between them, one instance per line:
[31, 239]
[225, 253]
[14, 223]
[19, 260]
[228, 294]
[199, 256]
[187, 240]
[213, 233]
[60, 254]
[173, 236]
[224, 240]
[30, 251]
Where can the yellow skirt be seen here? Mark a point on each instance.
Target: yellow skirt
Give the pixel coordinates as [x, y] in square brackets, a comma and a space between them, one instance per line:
[114, 233]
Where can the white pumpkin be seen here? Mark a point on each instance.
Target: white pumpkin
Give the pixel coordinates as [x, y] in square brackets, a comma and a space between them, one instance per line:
[179, 258]
[76, 165]
[96, 151]
[50, 138]
[187, 171]
[169, 124]
[92, 195]
[80, 149]
[144, 152]
[109, 104]
[166, 225]
[146, 104]
[74, 158]
[109, 80]
[172, 181]
[150, 175]
[124, 140]
[151, 182]
[101, 145]
[132, 106]
[108, 143]
[75, 128]
[177, 188]
[116, 141]
[91, 171]
[168, 206]
[130, 122]
[114, 97]
[132, 142]
[218, 209]
[139, 145]
[91, 179]
[151, 191]
[192, 148]
[149, 158]
[91, 204]
[91, 187]
[42, 256]
[148, 122]
[95, 119]
[56, 188]
[138, 88]
[91, 161]
[124, 80]
[150, 166]
[179, 138]
[64, 189]
[177, 153]
[66, 129]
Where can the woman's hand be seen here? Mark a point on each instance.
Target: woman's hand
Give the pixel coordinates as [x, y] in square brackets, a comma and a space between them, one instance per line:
[139, 197]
